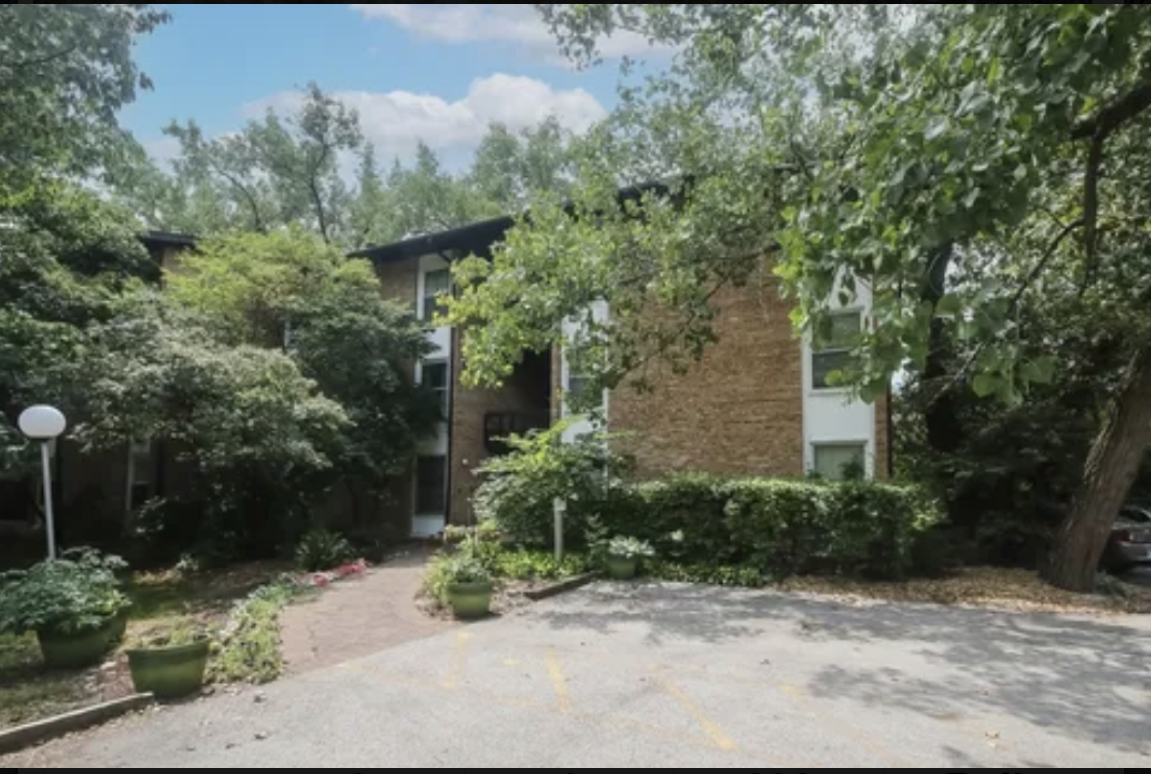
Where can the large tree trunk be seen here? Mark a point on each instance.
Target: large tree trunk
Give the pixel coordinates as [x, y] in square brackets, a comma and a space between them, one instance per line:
[1110, 470]
[944, 432]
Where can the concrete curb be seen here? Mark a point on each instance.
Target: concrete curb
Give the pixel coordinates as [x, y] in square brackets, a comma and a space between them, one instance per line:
[558, 588]
[16, 738]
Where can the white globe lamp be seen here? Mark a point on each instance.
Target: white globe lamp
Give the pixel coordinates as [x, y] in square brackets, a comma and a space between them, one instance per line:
[44, 424]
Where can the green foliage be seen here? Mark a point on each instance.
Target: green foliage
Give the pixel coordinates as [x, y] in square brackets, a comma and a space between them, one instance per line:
[780, 527]
[182, 630]
[67, 70]
[626, 547]
[466, 564]
[322, 549]
[249, 644]
[76, 592]
[521, 564]
[711, 574]
[519, 488]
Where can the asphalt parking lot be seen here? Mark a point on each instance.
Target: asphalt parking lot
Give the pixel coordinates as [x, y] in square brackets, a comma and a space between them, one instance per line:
[659, 675]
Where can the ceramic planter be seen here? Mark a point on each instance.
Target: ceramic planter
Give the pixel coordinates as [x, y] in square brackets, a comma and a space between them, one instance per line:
[622, 567]
[74, 650]
[169, 671]
[470, 600]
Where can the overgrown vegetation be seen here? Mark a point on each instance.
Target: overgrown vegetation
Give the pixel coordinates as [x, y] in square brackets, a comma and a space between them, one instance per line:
[248, 647]
[322, 549]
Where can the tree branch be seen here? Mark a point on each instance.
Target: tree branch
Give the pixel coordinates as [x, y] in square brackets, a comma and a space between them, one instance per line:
[1118, 112]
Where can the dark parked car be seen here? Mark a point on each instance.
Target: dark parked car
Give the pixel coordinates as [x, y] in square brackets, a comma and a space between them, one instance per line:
[1130, 541]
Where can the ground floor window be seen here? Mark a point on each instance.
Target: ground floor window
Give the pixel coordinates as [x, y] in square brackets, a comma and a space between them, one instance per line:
[431, 485]
[839, 461]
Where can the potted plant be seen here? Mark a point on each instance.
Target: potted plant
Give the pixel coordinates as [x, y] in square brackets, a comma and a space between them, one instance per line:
[469, 586]
[169, 662]
[72, 604]
[623, 555]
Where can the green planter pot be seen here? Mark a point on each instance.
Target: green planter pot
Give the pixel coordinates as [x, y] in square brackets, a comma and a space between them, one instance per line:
[470, 600]
[171, 671]
[74, 650]
[622, 567]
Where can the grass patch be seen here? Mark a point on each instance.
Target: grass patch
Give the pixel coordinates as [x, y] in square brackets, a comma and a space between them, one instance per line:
[27, 691]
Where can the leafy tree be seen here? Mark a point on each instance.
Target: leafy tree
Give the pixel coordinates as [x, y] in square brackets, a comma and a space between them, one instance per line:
[855, 146]
[261, 437]
[287, 290]
[275, 171]
[65, 70]
[510, 167]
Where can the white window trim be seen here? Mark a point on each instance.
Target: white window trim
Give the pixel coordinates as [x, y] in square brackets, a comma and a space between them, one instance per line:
[855, 309]
[416, 488]
[422, 300]
[447, 389]
[868, 453]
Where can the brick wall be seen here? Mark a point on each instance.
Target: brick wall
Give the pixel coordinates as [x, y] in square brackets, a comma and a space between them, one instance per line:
[525, 390]
[882, 468]
[738, 411]
[398, 279]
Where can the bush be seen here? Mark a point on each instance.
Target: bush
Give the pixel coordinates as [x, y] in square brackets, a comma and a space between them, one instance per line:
[77, 592]
[520, 487]
[322, 549]
[777, 527]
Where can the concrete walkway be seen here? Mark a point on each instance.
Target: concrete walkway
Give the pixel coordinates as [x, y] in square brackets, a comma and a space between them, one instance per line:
[358, 616]
[678, 676]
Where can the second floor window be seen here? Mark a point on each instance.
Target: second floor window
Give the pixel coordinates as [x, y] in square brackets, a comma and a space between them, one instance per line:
[835, 354]
[434, 376]
[436, 284]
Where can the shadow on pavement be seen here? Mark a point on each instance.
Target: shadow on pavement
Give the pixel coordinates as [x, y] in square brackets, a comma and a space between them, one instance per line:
[1084, 678]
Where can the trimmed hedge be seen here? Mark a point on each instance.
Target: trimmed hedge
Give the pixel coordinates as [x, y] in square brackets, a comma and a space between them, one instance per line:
[778, 527]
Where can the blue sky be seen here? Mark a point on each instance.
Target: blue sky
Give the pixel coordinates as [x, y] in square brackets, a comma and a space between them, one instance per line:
[439, 72]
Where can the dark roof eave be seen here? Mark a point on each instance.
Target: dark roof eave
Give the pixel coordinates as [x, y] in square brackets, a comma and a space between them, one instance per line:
[477, 237]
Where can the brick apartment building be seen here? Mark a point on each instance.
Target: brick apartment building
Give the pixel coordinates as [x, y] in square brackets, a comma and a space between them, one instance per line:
[756, 404]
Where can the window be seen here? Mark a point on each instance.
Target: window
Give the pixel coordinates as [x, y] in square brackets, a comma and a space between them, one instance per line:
[837, 461]
[836, 354]
[431, 485]
[579, 382]
[436, 283]
[434, 376]
[141, 474]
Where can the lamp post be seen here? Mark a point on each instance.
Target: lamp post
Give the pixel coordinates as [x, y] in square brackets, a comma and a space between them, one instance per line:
[44, 424]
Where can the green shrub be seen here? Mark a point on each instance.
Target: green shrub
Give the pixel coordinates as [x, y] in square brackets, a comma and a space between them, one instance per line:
[537, 565]
[864, 528]
[76, 592]
[322, 549]
[777, 527]
[519, 488]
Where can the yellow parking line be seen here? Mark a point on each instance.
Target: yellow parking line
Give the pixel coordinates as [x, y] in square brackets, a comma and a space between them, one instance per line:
[559, 682]
[709, 726]
[459, 660]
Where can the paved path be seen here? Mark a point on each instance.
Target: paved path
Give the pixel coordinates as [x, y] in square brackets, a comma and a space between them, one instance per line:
[357, 616]
[680, 676]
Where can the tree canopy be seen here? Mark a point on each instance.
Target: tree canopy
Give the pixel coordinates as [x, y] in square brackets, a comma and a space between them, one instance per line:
[961, 160]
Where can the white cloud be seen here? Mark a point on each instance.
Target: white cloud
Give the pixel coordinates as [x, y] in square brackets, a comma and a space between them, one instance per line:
[516, 23]
[397, 121]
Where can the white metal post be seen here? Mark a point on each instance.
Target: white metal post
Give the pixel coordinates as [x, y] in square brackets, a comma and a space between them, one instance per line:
[50, 526]
[559, 506]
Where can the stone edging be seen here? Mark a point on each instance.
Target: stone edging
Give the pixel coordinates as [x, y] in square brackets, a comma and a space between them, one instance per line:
[561, 586]
[13, 739]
